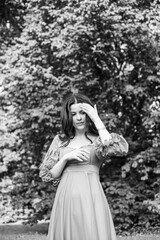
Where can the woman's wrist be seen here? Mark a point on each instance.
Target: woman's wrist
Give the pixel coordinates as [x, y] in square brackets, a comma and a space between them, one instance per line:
[102, 131]
[99, 124]
[64, 160]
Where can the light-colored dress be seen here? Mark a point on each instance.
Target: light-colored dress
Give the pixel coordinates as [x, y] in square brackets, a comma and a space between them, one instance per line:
[80, 209]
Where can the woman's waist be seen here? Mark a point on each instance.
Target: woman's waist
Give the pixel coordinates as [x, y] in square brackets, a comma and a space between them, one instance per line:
[82, 168]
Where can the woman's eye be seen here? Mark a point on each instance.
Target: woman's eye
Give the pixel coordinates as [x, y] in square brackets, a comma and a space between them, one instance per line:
[82, 112]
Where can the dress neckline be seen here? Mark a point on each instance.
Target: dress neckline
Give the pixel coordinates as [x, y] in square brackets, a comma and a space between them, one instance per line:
[85, 145]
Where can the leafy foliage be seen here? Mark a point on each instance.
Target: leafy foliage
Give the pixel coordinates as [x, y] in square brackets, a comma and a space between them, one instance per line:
[108, 50]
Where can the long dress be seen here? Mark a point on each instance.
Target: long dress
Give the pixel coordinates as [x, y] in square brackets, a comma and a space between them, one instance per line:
[80, 209]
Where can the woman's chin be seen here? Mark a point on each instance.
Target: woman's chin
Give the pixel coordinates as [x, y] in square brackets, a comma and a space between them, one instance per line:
[81, 128]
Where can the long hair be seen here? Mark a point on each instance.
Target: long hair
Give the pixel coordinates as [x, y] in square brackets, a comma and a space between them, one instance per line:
[66, 117]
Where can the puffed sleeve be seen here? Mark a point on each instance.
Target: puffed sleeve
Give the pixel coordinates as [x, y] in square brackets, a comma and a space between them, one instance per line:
[116, 146]
[51, 158]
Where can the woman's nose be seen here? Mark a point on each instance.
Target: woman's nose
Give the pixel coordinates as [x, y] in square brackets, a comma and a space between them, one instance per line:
[78, 116]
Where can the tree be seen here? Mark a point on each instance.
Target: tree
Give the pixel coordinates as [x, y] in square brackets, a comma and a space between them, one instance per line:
[108, 50]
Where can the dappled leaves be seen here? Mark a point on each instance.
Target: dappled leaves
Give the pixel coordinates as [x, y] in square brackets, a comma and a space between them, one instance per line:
[108, 50]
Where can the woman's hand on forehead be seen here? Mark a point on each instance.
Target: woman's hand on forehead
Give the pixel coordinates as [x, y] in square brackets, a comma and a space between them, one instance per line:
[90, 111]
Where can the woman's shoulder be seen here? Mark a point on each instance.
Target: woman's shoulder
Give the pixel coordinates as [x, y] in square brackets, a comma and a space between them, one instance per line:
[56, 142]
[57, 139]
[61, 139]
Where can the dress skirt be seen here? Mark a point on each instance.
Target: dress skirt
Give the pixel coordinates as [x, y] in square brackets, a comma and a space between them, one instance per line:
[80, 210]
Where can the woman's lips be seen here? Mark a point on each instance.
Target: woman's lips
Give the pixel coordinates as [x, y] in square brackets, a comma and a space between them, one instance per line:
[80, 123]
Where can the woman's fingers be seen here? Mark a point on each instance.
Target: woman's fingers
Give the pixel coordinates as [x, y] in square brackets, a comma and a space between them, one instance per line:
[86, 106]
[90, 111]
[82, 155]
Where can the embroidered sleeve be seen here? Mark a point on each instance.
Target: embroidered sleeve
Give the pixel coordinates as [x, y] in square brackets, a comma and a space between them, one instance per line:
[117, 146]
[51, 158]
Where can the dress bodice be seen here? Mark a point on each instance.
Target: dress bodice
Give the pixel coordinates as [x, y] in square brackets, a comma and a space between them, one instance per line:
[92, 158]
[98, 152]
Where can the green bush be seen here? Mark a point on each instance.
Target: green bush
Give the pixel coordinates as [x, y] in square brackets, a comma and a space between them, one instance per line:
[108, 50]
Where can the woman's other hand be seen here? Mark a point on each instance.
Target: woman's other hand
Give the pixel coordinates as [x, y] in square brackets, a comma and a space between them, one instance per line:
[81, 155]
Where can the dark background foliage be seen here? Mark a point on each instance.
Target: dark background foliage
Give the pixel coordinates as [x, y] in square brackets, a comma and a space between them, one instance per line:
[108, 50]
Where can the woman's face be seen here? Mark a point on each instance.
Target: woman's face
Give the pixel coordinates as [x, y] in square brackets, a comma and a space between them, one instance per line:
[78, 117]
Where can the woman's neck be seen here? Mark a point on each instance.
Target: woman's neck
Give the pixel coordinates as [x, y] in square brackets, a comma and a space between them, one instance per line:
[81, 139]
[80, 133]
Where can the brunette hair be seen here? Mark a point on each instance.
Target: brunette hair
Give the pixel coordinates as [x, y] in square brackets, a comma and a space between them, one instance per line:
[66, 117]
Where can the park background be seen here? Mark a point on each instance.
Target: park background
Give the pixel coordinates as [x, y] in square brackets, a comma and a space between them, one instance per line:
[106, 49]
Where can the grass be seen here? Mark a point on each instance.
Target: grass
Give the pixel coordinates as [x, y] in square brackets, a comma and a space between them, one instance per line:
[140, 237]
[23, 237]
[23, 232]
[37, 236]
[38, 232]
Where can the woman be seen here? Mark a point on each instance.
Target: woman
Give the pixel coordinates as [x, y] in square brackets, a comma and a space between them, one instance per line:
[80, 209]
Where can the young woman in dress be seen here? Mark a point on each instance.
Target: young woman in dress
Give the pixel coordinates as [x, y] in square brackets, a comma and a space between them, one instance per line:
[80, 209]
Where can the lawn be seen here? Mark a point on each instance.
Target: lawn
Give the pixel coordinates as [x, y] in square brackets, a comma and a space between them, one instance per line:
[43, 237]
[38, 232]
